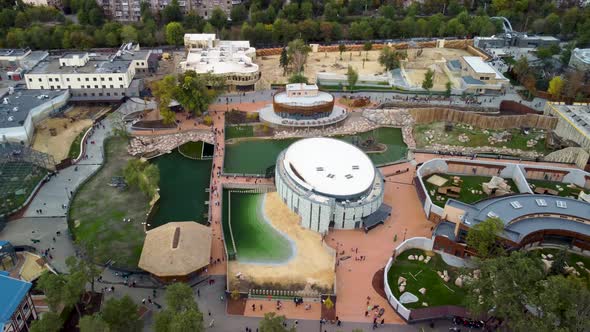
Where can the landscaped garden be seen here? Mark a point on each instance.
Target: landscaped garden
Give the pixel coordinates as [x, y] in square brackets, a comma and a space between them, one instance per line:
[560, 188]
[255, 239]
[469, 136]
[419, 274]
[183, 185]
[98, 211]
[471, 189]
[579, 263]
[17, 181]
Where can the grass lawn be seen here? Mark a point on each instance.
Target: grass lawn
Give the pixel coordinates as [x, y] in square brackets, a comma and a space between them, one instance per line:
[75, 146]
[469, 183]
[193, 150]
[239, 131]
[477, 137]
[570, 258]
[256, 240]
[419, 274]
[99, 209]
[566, 192]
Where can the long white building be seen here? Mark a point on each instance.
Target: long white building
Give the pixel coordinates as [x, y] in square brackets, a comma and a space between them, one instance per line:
[330, 184]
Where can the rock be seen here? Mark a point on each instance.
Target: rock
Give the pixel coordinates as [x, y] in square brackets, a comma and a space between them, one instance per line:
[447, 278]
[421, 258]
[422, 290]
[546, 264]
[400, 280]
[580, 264]
[459, 282]
[411, 258]
[408, 297]
[402, 289]
[549, 256]
[543, 256]
[446, 273]
[476, 274]
[424, 304]
[427, 259]
[570, 270]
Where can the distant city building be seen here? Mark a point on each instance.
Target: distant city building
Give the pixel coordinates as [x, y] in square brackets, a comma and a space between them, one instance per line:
[91, 76]
[580, 59]
[302, 105]
[21, 110]
[514, 39]
[53, 3]
[331, 184]
[231, 59]
[573, 122]
[17, 310]
[123, 10]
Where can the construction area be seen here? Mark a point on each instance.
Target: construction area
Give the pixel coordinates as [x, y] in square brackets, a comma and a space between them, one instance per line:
[55, 135]
[419, 60]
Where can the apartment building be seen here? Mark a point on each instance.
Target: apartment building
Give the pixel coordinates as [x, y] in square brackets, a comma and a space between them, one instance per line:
[130, 10]
[91, 76]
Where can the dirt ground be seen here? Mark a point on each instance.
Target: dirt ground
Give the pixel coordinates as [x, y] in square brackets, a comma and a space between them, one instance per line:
[313, 264]
[319, 62]
[68, 127]
[416, 65]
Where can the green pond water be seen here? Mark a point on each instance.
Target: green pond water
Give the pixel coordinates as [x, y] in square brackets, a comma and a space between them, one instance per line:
[255, 239]
[182, 189]
[254, 156]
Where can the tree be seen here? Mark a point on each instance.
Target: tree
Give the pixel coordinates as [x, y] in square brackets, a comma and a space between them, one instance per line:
[297, 51]
[49, 322]
[129, 34]
[428, 81]
[172, 12]
[193, 91]
[367, 47]
[448, 89]
[482, 237]
[390, 58]
[328, 303]
[218, 18]
[298, 78]
[163, 90]
[143, 175]
[559, 263]
[121, 315]
[352, 77]
[556, 87]
[505, 285]
[238, 14]
[93, 323]
[573, 83]
[89, 270]
[174, 33]
[284, 60]
[273, 323]
[341, 49]
[182, 313]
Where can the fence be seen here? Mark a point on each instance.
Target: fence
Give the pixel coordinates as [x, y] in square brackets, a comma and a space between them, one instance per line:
[284, 294]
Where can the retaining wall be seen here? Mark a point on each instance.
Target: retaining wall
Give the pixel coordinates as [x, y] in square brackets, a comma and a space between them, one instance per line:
[440, 114]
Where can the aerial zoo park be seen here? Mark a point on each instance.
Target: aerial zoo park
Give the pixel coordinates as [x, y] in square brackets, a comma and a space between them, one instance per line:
[401, 186]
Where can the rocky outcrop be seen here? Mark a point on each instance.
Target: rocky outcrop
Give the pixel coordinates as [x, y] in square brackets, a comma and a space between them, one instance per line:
[140, 145]
[394, 117]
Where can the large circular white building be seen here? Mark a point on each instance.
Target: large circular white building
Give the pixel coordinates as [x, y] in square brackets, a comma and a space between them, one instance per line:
[330, 183]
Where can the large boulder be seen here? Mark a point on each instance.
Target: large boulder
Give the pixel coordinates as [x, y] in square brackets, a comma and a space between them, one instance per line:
[427, 259]
[402, 288]
[408, 297]
[412, 258]
[459, 281]
[546, 264]
[400, 280]
[422, 290]
[421, 258]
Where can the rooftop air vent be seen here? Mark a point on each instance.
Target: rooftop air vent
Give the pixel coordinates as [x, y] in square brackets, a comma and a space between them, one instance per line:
[348, 176]
[319, 169]
[355, 167]
[331, 176]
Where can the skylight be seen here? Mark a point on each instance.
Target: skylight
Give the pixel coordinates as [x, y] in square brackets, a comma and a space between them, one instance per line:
[561, 204]
[541, 202]
[516, 204]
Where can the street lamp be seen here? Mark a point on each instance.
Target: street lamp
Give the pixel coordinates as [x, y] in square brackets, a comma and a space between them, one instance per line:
[405, 231]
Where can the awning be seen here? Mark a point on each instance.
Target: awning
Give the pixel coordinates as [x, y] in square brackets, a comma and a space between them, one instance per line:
[377, 217]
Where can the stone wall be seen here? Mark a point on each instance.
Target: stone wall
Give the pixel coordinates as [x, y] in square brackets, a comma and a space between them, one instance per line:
[140, 145]
[571, 155]
[437, 114]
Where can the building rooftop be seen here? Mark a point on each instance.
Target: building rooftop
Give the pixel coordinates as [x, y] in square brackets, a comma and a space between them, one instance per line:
[219, 61]
[471, 80]
[577, 115]
[301, 86]
[320, 98]
[329, 166]
[4, 52]
[12, 292]
[176, 249]
[482, 67]
[18, 105]
[96, 65]
[582, 54]
[199, 36]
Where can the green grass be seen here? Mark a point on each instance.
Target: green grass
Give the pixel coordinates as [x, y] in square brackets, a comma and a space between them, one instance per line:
[17, 181]
[477, 138]
[239, 131]
[100, 210]
[256, 240]
[437, 291]
[193, 150]
[75, 146]
[469, 183]
[567, 191]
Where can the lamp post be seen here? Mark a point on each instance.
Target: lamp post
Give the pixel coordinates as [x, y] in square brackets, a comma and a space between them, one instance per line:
[405, 231]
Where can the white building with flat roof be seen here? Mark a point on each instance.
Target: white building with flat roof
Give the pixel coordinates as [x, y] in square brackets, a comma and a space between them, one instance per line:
[580, 59]
[232, 59]
[330, 184]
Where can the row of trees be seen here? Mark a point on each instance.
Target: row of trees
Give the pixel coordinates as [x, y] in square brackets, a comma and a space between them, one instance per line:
[516, 288]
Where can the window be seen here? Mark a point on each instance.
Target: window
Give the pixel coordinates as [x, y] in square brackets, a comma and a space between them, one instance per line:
[112, 87]
[69, 86]
[30, 80]
[104, 86]
[78, 79]
[50, 79]
[67, 79]
[122, 93]
[561, 204]
[87, 79]
[96, 86]
[85, 94]
[102, 78]
[93, 94]
[39, 80]
[541, 202]
[100, 94]
[94, 79]
[108, 93]
[110, 78]
[120, 78]
[121, 86]
[57, 79]
[116, 94]
[516, 204]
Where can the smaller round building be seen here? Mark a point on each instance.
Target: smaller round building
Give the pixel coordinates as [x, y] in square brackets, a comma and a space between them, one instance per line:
[330, 183]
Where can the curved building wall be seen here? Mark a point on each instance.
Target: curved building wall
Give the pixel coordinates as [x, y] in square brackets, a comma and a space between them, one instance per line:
[317, 211]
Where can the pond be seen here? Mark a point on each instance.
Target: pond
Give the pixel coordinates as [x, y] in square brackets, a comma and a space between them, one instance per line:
[183, 182]
[254, 156]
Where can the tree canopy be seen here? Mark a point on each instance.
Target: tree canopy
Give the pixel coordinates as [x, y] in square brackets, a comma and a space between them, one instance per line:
[273, 323]
[143, 175]
[351, 77]
[483, 237]
[121, 315]
[390, 58]
[182, 312]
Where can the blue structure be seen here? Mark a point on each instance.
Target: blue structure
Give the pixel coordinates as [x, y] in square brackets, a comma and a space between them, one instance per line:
[16, 307]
